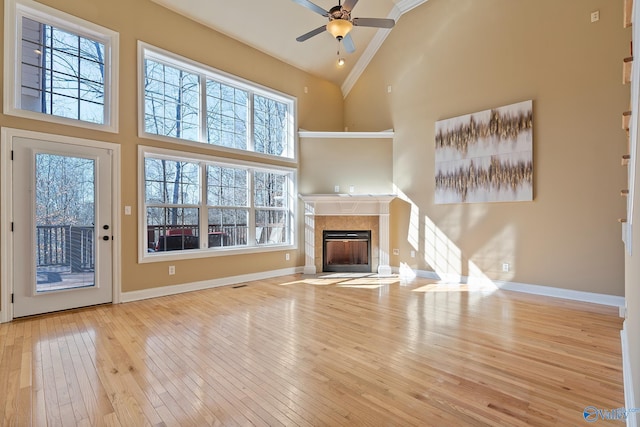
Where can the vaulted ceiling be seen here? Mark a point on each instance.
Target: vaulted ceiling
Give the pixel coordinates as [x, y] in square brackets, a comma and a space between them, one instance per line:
[272, 26]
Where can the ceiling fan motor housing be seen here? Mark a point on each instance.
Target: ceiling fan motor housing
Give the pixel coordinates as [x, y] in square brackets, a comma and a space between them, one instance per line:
[337, 12]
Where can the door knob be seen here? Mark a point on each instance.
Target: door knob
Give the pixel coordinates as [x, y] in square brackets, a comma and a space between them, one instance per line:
[105, 237]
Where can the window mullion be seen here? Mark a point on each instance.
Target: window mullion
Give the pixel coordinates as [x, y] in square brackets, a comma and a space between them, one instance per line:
[204, 210]
[78, 81]
[203, 134]
[250, 123]
[251, 222]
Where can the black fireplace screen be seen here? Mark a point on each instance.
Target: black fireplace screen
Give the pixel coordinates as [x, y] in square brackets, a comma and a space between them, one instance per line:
[346, 251]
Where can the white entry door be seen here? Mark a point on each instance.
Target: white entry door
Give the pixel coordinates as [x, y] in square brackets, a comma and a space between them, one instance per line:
[62, 228]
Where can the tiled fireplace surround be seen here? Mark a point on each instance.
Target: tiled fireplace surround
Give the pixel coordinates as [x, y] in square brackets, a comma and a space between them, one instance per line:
[347, 212]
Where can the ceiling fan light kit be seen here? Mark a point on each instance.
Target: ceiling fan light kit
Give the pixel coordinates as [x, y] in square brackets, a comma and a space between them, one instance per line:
[339, 28]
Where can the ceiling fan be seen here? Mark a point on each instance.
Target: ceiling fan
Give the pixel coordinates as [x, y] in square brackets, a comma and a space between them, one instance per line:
[341, 23]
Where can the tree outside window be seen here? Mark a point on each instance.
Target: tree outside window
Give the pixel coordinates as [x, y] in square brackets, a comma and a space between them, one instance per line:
[62, 74]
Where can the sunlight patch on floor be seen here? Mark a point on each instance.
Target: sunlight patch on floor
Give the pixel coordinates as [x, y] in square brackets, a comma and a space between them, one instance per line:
[350, 284]
[371, 281]
[344, 275]
[313, 281]
[455, 287]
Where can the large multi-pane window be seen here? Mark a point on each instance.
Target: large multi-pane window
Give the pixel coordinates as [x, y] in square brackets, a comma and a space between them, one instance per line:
[63, 68]
[205, 206]
[192, 102]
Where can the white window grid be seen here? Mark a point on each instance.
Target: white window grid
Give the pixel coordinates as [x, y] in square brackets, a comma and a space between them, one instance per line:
[279, 239]
[15, 10]
[146, 51]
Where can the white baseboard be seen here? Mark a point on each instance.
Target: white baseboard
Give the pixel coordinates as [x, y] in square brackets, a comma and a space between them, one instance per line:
[595, 298]
[629, 398]
[604, 299]
[427, 274]
[162, 291]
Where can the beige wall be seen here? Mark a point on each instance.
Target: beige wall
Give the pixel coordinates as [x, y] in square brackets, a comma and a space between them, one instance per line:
[448, 58]
[319, 109]
[363, 163]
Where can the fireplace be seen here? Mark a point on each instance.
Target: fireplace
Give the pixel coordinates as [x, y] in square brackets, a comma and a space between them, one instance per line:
[347, 212]
[346, 251]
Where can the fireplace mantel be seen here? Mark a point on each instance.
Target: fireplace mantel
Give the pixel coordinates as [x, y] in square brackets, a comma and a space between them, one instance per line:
[347, 204]
[344, 205]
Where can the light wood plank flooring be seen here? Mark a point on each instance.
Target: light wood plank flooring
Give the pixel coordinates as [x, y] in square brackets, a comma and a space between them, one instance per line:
[315, 352]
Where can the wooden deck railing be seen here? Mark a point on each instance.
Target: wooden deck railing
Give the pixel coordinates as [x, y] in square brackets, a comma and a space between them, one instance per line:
[65, 246]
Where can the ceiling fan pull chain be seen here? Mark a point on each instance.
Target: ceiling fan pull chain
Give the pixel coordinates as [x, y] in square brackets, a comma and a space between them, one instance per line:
[340, 59]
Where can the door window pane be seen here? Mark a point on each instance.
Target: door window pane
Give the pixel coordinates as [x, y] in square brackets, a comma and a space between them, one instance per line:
[65, 218]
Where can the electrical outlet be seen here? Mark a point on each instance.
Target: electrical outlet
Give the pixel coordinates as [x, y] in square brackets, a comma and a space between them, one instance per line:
[172, 270]
[396, 251]
[127, 210]
[287, 257]
[352, 188]
[413, 254]
[336, 188]
[595, 16]
[506, 267]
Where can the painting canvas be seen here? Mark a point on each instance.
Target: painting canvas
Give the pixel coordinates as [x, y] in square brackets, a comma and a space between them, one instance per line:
[485, 156]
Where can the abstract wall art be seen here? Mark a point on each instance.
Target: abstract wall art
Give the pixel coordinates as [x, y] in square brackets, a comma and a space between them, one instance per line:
[485, 156]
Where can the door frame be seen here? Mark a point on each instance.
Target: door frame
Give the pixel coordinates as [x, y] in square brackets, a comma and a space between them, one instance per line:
[6, 210]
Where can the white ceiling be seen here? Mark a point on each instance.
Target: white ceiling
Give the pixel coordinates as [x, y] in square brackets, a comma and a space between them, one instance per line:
[272, 26]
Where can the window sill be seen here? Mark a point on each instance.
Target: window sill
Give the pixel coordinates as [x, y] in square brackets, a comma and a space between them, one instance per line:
[151, 257]
[42, 117]
[219, 149]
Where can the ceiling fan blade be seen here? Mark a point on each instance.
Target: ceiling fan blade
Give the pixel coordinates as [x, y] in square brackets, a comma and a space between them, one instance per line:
[314, 7]
[311, 33]
[349, 5]
[374, 22]
[347, 42]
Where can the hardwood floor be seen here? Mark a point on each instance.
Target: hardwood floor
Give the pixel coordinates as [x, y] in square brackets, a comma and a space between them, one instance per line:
[299, 351]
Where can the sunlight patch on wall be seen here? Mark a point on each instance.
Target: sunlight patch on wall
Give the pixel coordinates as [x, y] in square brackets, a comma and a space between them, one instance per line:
[441, 253]
[406, 272]
[413, 234]
[477, 278]
[497, 257]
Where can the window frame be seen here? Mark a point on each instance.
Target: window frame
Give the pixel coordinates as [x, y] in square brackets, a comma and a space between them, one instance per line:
[14, 11]
[155, 152]
[147, 51]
